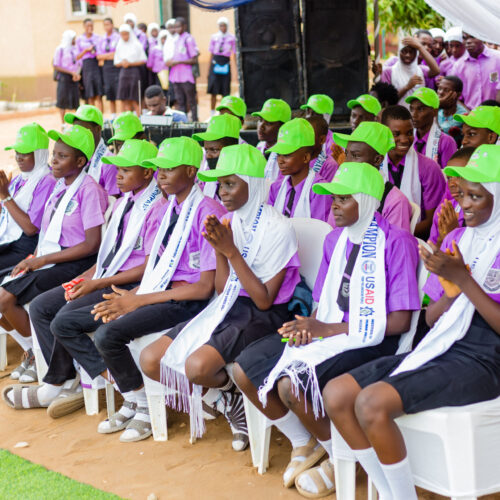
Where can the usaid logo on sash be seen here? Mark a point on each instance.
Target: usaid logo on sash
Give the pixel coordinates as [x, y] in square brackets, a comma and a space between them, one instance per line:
[368, 267]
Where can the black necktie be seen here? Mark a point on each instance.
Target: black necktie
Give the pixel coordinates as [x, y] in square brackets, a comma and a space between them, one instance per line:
[57, 204]
[168, 232]
[397, 174]
[420, 146]
[289, 205]
[119, 235]
[343, 296]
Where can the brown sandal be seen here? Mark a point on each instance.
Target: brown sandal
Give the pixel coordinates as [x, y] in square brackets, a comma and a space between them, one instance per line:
[312, 452]
[323, 489]
[17, 397]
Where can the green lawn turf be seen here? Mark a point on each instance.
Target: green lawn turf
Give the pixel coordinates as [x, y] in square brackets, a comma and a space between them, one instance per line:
[23, 480]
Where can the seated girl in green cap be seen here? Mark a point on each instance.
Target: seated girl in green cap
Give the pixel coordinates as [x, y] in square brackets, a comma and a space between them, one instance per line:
[61, 316]
[457, 363]
[70, 235]
[23, 199]
[256, 274]
[367, 279]
[126, 126]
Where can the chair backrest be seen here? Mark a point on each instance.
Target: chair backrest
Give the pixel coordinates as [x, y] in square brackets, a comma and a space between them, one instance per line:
[415, 216]
[311, 234]
[107, 214]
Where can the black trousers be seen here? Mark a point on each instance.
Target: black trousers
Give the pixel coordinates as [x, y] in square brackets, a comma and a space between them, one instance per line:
[111, 339]
[62, 330]
[185, 95]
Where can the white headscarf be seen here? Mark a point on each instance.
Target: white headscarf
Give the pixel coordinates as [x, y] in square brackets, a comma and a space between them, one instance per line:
[131, 50]
[170, 22]
[161, 34]
[130, 17]
[67, 39]
[435, 32]
[454, 34]
[223, 20]
[401, 74]
[151, 27]
[367, 206]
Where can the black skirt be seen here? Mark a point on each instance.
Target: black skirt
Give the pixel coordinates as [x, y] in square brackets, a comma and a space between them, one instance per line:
[469, 372]
[68, 93]
[243, 324]
[219, 84]
[92, 78]
[128, 84]
[29, 286]
[258, 359]
[13, 253]
[110, 76]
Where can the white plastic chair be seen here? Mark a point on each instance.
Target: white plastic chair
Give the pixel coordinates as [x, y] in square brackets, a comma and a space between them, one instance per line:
[3, 349]
[311, 234]
[415, 216]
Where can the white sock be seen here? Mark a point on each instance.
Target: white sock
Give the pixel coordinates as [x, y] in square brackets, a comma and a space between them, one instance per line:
[142, 402]
[124, 410]
[46, 394]
[25, 342]
[327, 445]
[293, 429]
[370, 462]
[400, 480]
[228, 385]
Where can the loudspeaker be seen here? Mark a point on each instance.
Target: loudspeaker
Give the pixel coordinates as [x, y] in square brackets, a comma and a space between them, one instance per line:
[270, 59]
[335, 50]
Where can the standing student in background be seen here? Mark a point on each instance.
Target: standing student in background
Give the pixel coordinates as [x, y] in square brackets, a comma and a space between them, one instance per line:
[274, 113]
[155, 62]
[181, 69]
[222, 46]
[106, 53]
[152, 33]
[131, 20]
[456, 49]
[168, 53]
[86, 45]
[68, 73]
[129, 57]
[429, 138]
[364, 108]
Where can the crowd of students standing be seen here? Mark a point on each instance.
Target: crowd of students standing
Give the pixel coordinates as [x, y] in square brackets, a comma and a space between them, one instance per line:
[201, 246]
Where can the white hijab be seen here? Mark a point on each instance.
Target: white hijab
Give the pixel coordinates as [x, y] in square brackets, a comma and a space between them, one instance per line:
[151, 27]
[67, 39]
[367, 206]
[130, 50]
[401, 74]
[130, 17]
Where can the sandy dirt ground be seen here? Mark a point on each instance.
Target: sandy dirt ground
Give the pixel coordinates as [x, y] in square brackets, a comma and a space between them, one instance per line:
[209, 469]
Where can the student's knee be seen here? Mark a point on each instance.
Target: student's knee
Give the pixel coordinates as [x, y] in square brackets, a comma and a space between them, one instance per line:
[7, 300]
[338, 397]
[370, 406]
[240, 377]
[197, 369]
[150, 360]
[104, 338]
[287, 394]
[37, 308]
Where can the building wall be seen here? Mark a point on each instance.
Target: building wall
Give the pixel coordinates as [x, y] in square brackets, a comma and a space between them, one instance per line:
[32, 29]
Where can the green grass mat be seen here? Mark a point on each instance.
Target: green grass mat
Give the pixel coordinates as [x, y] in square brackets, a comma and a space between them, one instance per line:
[23, 480]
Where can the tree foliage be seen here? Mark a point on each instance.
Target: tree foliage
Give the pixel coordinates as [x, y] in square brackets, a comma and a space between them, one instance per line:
[405, 15]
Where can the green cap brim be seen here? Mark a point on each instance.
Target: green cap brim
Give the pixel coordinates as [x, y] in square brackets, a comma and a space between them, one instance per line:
[117, 137]
[119, 161]
[471, 174]
[266, 116]
[341, 139]
[213, 175]
[20, 148]
[56, 136]
[206, 136]
[162, 163]
[472, 121]
[283, 148]
[71, 117]
[332, 188]
[304, 106]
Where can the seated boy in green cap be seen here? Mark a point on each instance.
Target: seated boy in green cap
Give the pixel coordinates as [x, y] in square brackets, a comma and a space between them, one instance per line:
[177, 284]
[321, 161]
[480, 126]
[223, 130]
[61, 316]
[23, 198]
[321, 105]
[273, 114]
[369, 143]
[233, 105]
[429, 138]
[91, 118]
[70, 235]
[126, 126]
[364, 108]
[292, 194]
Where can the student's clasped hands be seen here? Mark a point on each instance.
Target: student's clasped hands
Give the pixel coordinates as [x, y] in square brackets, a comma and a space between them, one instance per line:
[448, 220]
[220, 236]
[4, 185]
[116, 304]
[448, 266]
[302, 330]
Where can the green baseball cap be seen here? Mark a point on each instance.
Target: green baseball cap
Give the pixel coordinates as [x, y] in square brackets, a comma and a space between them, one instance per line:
[177, 151]
[275, 110]
[352, 178]
[132, 154]
[240, 159]
[30, 138]
[319, 103]
[86, 113]
[293, 135]
[425, 96]
[220, 126]
[126, 126]
[235, 104]
[483, 166]
[482, 117]
[77, 137]
[376, 135]
[367, 102]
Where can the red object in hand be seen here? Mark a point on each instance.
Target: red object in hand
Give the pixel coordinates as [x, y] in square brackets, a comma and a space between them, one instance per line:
[70, 284]
[30, 256]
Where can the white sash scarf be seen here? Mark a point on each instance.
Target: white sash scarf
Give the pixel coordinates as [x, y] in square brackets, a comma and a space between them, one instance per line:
[137, 215]
[454, 323]
[303, 206]
[410, 180]
[272, 170]
[320, 160]
[367, 315]
[210, 188]
[432, 146]
[95, 166]
[9, 229]
[156, 278]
